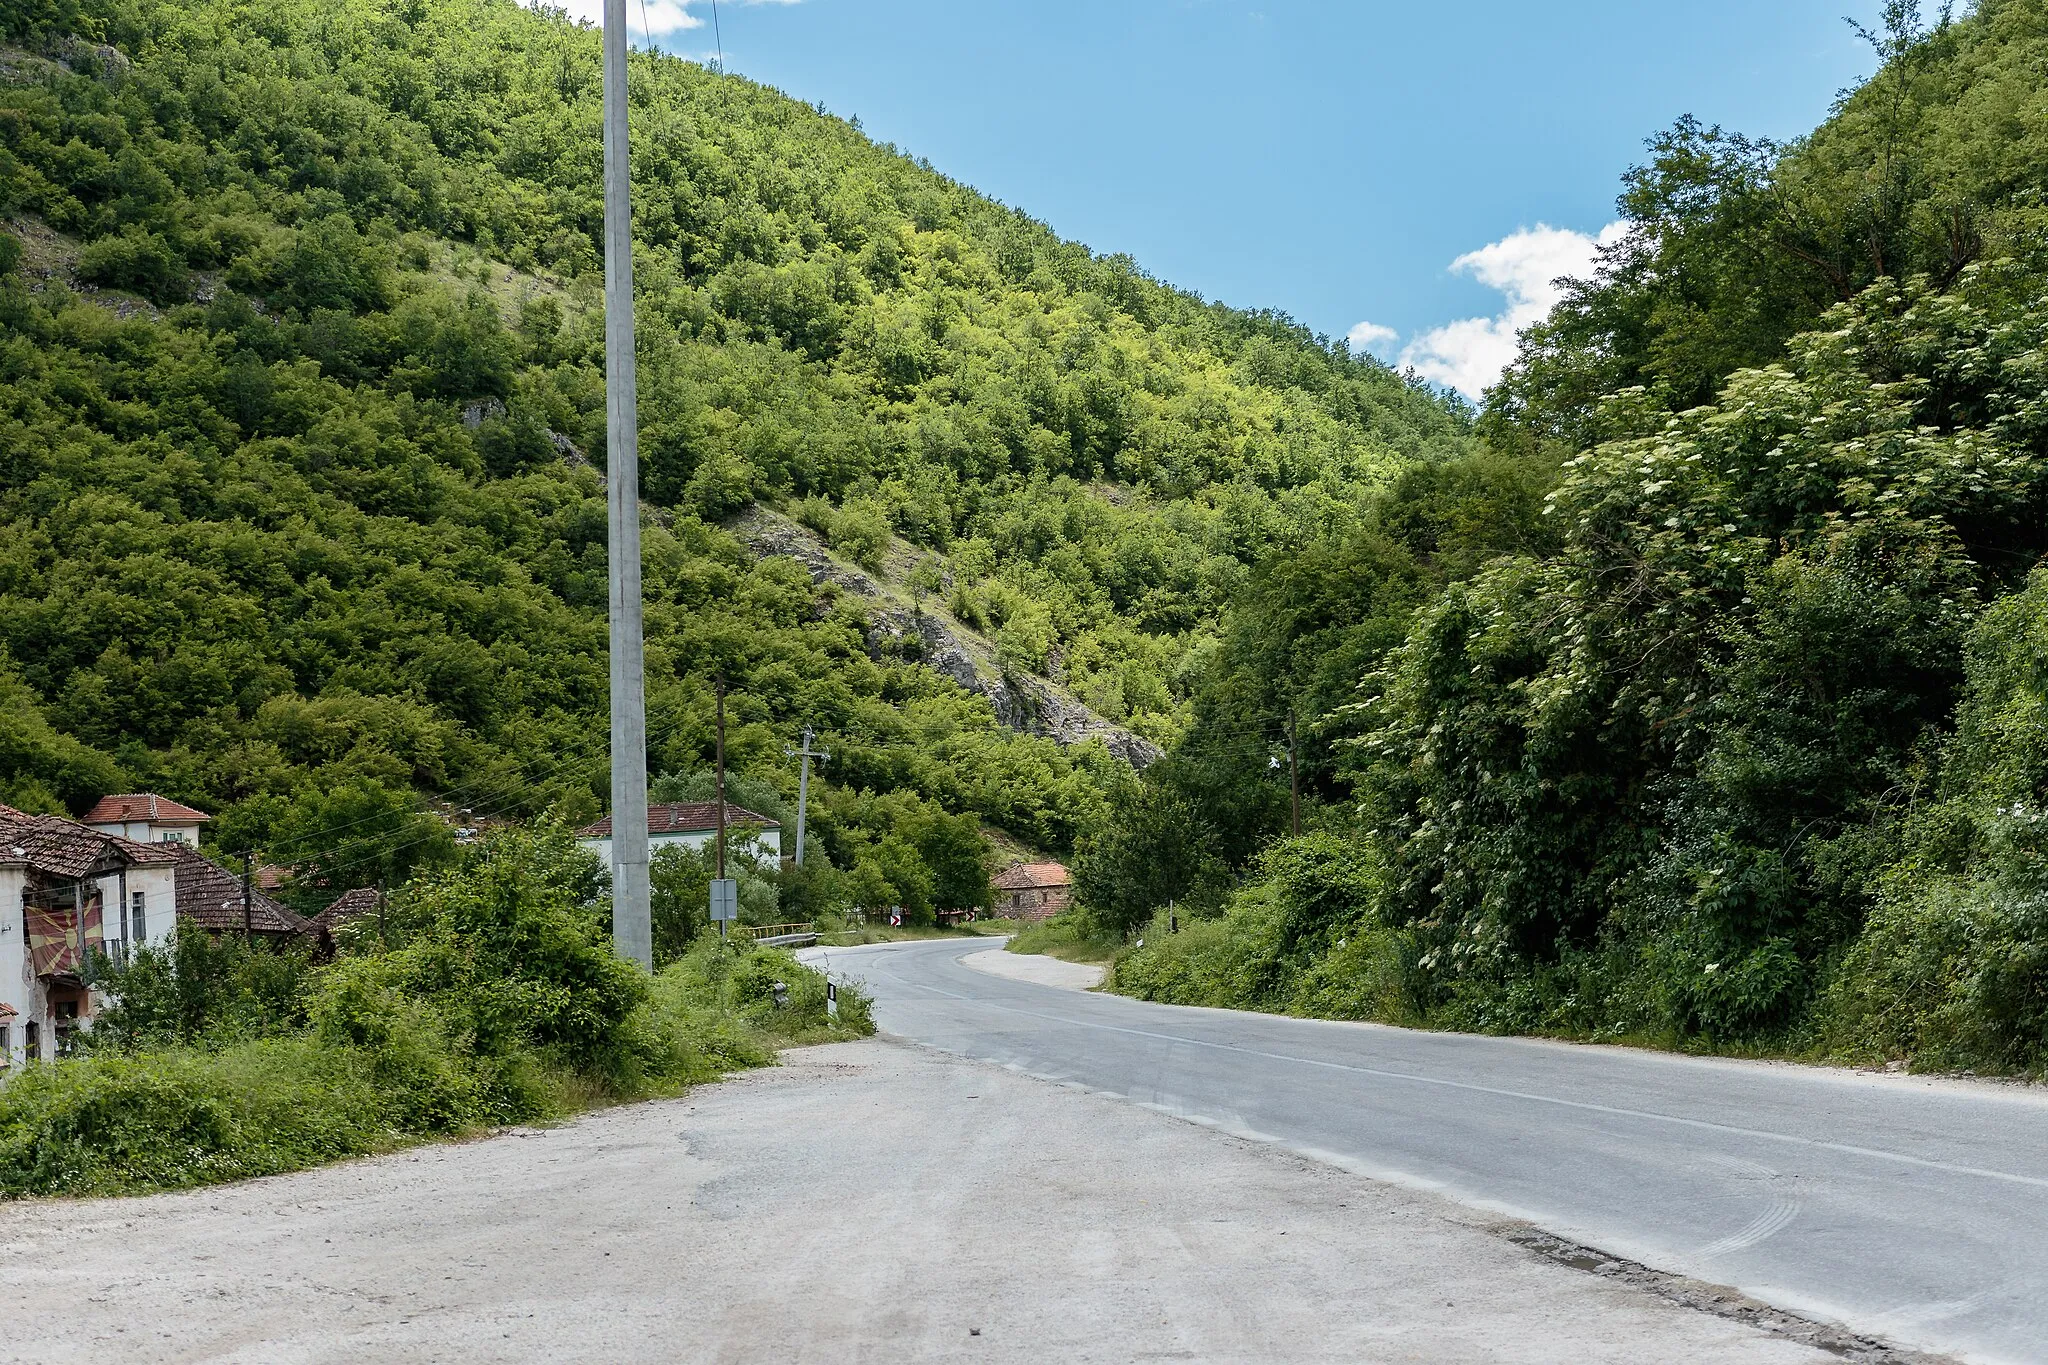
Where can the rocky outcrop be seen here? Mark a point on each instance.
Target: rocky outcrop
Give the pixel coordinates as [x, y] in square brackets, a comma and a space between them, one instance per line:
[1026, 704]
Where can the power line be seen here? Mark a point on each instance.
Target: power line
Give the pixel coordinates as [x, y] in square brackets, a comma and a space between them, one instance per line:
[509, 802]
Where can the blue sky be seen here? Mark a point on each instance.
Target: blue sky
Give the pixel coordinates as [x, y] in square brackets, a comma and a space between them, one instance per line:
[1411, 174]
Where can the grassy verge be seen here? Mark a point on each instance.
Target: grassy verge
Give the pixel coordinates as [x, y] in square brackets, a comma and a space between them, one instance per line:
[1072, 935]
[500, 1003]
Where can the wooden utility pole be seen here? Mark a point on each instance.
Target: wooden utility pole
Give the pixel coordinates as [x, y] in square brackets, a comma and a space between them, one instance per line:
[632, 919]
[248, 896]
[720, 685]
[1293, 775]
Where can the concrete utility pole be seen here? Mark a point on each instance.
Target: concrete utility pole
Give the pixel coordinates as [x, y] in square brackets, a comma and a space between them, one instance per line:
[248, 899]
[720, 685]
[803, 786]
[632, 918]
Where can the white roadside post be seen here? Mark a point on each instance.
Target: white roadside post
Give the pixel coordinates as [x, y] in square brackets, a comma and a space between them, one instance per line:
[632, 920]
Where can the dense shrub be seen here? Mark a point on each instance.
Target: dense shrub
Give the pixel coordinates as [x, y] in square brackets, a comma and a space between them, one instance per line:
[498, 1000]
[1301, 936]
[1952, 970]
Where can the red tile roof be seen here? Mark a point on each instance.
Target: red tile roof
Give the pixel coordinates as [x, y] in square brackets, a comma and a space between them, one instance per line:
[58, 847]
[347, 907]
[160, 810]
[210, 896]
[687, 817]
[1026, 876]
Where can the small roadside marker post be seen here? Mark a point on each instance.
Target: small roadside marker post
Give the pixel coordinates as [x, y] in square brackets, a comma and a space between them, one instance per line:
[831, 997]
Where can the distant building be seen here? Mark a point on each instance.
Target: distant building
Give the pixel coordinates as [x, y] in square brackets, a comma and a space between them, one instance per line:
[362, 903]
[210, 897]
[147, 818]
[1032, 891]
[693, 824]
[69, 890]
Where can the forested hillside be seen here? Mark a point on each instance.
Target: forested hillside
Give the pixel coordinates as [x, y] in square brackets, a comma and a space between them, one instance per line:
[301, 441]
[1708, 703]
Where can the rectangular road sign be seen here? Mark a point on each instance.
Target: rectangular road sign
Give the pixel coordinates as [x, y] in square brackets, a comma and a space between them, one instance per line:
[725, 899]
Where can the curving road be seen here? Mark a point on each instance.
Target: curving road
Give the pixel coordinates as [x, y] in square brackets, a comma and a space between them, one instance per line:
[1911, 1209]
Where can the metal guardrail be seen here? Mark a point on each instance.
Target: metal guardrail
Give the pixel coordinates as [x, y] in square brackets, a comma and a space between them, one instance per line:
[782, 935]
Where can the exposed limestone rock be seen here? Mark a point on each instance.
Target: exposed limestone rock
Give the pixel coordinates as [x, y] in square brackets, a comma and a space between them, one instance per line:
[1023, 703]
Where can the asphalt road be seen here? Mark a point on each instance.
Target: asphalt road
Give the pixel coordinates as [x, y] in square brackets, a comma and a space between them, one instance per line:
[1907, 1208]
[865, 1203]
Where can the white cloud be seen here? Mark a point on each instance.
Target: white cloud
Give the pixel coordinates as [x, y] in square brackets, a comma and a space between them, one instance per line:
[1371, 336]
[1524, 266]
[660, 16]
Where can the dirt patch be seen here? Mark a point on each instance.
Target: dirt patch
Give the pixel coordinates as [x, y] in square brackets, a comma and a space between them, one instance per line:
[1037, 969]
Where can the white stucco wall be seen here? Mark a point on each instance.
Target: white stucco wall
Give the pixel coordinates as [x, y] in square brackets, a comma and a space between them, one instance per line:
[158, 886]
[766, 843]
[16, 985]
[143, 832]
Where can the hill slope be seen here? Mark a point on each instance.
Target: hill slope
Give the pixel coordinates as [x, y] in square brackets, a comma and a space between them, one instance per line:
[300, 386]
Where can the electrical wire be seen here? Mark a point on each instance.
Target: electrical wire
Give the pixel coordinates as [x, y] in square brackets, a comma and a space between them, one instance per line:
[718, 37]
[508, 802]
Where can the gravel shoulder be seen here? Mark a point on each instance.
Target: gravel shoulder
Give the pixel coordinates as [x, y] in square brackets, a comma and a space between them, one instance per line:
[867, 1201]
[1037, 969]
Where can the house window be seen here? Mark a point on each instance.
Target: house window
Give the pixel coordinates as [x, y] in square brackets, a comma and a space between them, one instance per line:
[6, 1046]
[138, 924]
[33, 1035]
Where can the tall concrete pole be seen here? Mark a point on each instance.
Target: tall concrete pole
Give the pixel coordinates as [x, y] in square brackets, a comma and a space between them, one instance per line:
[803, 786]
[721, 778]
[632, 922]
[803, 795]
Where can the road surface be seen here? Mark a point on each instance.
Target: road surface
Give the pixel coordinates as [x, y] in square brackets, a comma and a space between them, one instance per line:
[865, 1202]
[1912, 1209]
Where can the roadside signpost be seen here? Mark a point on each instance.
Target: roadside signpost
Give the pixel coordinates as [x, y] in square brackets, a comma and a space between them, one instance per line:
[725, 902]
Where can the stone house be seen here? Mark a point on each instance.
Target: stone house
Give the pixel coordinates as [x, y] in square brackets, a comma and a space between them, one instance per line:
[1032, 891]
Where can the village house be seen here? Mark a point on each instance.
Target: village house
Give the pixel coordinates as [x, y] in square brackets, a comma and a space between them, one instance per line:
[365, 902]
[69, 889]
[146, 818]
[693, 824]
[1032, 891]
